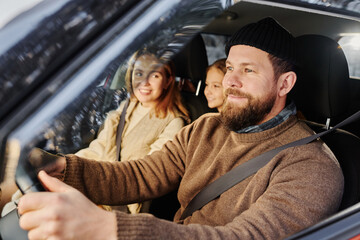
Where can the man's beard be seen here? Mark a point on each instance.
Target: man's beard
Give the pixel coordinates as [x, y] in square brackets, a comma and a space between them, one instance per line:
[236, 118]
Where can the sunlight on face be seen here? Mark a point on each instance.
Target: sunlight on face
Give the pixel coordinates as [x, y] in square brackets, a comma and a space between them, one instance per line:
[148, 80]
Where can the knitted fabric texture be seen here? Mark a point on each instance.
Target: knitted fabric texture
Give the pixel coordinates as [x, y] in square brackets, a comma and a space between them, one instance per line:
[267, 35]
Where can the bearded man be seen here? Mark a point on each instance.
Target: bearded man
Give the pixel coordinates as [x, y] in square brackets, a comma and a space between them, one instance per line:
[297, 188]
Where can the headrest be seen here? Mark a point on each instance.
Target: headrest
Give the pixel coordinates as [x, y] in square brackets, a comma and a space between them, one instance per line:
[191, 62]
[322, 88]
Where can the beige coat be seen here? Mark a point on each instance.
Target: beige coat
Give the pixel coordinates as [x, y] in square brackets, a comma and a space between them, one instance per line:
[146, 136]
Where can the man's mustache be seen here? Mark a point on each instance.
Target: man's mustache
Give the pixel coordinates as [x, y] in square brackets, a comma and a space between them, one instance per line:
[236, 92]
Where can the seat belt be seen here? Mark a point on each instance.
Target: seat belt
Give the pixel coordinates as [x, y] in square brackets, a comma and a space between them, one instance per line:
[239, 173]
[120, 129]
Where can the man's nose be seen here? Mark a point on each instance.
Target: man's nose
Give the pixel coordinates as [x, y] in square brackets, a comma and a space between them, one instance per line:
[232, 80]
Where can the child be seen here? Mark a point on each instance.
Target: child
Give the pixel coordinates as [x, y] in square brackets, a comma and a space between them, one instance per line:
[213, 84]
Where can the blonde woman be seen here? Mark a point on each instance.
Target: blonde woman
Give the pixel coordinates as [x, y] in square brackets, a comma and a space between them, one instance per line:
[155, 112]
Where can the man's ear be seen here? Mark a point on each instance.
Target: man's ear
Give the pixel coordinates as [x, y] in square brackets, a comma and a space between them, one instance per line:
[286, 83]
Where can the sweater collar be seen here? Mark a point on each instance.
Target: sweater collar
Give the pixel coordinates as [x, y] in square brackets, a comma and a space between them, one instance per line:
[289, 110]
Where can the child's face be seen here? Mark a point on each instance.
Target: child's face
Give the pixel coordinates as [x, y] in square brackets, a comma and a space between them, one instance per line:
[148, 80]
[213, 88]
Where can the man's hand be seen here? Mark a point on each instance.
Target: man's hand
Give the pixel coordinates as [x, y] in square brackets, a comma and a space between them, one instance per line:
[63, 213]
[54, 165]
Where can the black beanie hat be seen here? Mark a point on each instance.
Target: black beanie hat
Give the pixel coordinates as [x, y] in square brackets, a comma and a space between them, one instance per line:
[267, 35]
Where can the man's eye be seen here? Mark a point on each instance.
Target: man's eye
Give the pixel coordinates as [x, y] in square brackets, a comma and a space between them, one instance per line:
[217, 86]
[138, 74]
[248, 70]
[228, 68]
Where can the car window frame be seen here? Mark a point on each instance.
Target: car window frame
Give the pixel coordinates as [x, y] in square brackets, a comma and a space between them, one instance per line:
[55, 93]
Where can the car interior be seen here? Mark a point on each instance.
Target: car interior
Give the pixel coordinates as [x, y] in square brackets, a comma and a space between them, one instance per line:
[321, 94]
[326, 91]
[190, 68]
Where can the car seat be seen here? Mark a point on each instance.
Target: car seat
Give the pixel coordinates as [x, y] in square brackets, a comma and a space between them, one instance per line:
[321, 94]
[190, 67]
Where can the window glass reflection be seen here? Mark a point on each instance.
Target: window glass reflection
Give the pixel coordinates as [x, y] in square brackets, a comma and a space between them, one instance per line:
[351, 47]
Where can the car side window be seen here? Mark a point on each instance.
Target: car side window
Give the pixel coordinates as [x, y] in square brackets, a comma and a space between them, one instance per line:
[351, 47]
[215, 45]
[68, 113]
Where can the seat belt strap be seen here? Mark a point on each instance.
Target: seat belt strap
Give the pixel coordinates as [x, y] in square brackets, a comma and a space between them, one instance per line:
[239, 173]
[120, 129]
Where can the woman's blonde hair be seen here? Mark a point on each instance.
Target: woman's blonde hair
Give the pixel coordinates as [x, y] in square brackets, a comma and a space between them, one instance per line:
[170, 99]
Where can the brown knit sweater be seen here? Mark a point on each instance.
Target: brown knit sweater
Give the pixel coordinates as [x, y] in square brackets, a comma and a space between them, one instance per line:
[297, 188]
